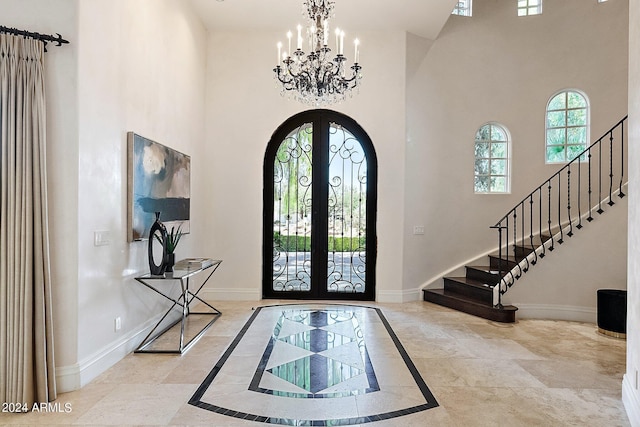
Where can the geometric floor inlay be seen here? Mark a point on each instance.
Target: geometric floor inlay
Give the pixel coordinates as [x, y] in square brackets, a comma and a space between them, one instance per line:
[321, 352]
[294, 364]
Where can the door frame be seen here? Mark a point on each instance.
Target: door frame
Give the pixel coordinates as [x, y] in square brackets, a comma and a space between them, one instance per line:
[320, 120]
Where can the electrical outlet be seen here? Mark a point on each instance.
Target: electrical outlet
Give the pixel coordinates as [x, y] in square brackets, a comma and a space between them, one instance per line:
[118, 323]
[418, 229]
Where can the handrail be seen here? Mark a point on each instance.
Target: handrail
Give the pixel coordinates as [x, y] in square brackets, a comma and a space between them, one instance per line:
[550, 216]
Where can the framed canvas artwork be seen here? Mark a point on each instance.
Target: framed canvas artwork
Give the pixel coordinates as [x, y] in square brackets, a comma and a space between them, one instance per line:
[159, 180]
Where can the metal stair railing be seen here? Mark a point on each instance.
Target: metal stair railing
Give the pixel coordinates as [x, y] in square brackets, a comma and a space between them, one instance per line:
[556, 208]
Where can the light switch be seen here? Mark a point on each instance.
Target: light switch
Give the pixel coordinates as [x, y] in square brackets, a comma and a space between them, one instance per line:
[101, 238]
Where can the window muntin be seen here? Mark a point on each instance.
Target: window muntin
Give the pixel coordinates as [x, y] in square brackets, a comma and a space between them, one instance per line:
[529, 7]
[567, 126]
[462, 8]
[492, 160]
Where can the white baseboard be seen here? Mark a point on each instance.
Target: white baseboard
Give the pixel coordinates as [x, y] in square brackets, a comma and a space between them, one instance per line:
[556, 312]
[67, 378]
[631, 400]
[74, 377]
[400, 296]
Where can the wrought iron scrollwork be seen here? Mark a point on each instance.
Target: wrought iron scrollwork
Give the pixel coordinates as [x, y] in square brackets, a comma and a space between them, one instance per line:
[347, 212]
[292, 212]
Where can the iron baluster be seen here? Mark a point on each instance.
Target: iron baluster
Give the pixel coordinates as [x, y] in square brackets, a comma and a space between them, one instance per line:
[579, 226]
[533, 246]
[561, 239]
[611, 202]
[544, 249]
[570, 233]
[552, 247]
[600, 210]
[515, 242]
[506, 251]
[620, 193]
[502, 278]
[590, 217]
[524, 248]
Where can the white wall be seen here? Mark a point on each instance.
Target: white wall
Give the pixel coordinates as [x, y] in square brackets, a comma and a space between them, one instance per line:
[564, 284]
[141, 68]
[132, 65]
[244, 108]
[496, 66]
[630, 393]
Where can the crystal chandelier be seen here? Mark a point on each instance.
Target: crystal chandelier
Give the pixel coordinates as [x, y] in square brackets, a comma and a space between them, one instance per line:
[315, 78]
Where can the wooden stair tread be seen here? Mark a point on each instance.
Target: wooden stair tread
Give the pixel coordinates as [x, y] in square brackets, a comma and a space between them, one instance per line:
[468, 305]
[471, 282]
[487, 269]
[510, 258]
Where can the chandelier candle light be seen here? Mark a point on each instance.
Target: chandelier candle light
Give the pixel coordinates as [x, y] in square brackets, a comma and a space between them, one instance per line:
[314, 78]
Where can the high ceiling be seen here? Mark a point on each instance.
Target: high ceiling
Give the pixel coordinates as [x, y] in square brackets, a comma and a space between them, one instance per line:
[424, 18]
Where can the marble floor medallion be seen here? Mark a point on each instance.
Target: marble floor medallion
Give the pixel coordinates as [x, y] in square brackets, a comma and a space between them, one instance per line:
[294, 364]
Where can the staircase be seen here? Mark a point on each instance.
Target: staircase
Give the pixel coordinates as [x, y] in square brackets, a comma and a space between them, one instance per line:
[557, 208]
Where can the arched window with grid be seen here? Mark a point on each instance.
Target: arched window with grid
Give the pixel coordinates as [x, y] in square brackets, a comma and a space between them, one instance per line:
[529, 7]
[567, 126]
[492, 159]
[462, 8]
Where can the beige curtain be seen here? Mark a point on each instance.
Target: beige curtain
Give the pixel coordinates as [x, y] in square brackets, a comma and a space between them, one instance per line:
[26, 332]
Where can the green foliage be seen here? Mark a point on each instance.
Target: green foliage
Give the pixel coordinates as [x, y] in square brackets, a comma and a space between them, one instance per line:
[555, 153]
[291, 243]
[173, 237]
[346, 244]
[292, 172]
[559, 102]
[303, 243]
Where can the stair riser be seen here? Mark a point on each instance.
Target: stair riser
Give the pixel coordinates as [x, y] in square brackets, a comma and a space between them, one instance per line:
[483, 295]
[522, 251]
[506, 264]
[482, 276]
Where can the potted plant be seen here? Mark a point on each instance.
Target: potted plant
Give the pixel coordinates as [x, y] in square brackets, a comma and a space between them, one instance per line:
[173, 237]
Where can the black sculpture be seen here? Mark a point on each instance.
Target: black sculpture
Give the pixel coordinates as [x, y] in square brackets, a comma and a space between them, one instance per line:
[158, 232]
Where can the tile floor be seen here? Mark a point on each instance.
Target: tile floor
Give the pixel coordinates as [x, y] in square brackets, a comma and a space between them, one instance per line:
[531, 373]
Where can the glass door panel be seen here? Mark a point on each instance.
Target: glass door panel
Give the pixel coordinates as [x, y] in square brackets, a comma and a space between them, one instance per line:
[347, 212]
[292, 180]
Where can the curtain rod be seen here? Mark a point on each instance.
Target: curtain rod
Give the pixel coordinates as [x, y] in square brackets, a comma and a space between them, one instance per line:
[45, 38]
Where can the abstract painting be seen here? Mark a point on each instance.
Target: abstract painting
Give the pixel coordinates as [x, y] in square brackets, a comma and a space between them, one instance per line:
[159, 180]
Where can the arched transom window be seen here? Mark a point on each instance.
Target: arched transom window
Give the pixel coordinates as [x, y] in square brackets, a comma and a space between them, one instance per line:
[567, 126]
[529, 7]
[462, 8]
[492, 159]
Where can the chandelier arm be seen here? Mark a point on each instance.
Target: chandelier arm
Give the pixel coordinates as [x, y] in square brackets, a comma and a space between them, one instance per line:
[356, 69]
[315, 78]
[281, 79]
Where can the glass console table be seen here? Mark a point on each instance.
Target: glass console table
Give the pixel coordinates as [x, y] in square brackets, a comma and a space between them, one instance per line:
[161, 285]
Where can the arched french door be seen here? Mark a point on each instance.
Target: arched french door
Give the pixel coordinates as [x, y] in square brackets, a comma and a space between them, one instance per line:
[320, 195]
